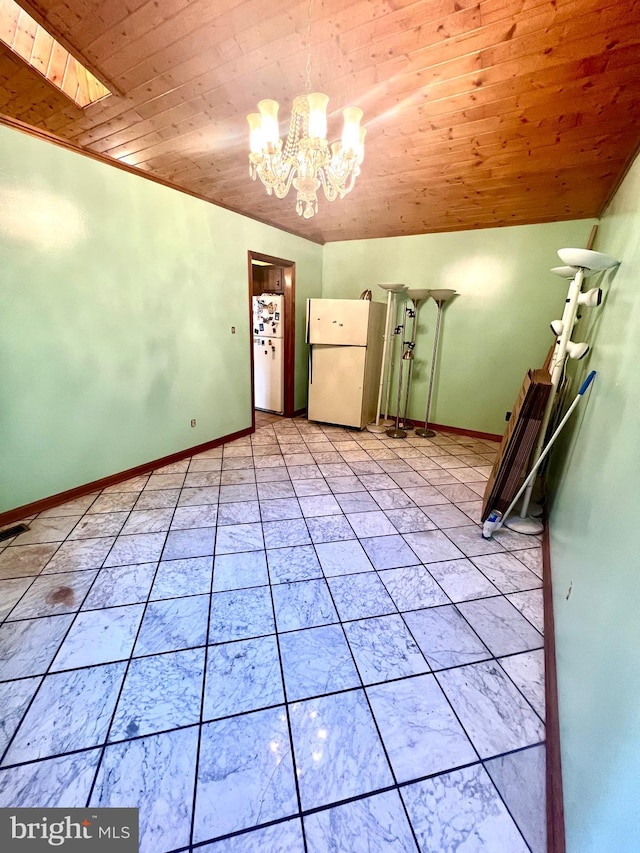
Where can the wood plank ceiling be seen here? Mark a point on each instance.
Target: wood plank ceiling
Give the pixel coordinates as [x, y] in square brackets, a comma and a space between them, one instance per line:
[479, 113]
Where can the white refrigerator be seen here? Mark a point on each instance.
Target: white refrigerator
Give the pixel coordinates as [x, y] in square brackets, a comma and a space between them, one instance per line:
[268, 362]
[346, 340]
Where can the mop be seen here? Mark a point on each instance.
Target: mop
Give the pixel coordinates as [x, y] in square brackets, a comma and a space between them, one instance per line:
[496, 519]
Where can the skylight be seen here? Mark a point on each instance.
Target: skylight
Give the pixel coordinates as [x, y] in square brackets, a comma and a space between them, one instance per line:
[31, 42]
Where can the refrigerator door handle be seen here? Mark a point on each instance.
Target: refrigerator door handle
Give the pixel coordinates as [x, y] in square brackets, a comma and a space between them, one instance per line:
[308, 320]
[311, 365]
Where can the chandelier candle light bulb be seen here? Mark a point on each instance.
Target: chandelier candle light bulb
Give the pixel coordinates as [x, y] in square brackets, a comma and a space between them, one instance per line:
[305, 160]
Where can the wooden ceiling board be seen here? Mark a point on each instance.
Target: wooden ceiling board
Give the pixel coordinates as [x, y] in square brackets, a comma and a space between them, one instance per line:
[479, 113]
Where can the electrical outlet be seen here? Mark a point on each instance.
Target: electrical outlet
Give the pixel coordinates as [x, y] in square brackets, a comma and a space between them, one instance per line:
[233, 330]
[193, 422]
[507, 416]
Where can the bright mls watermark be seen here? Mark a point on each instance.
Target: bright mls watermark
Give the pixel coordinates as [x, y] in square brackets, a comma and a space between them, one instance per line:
[69, 830]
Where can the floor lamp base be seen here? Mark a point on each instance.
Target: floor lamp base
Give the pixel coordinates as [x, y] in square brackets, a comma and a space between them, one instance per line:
[380, 426]
[528, 526]
[424, 433]
[396, 433]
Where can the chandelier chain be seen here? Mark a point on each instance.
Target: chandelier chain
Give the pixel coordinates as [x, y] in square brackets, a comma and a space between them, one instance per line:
[308, 68]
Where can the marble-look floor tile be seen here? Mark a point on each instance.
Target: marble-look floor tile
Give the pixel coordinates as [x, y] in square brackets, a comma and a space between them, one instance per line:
[329, 528]
[343, 558]
[240, 614]
[412, 587]
[71, 710]
[115, 502]
[280, 509]
[276, 490]
[78, 555]
[373, 523]
[140, 548]
[50, 595]
[99, 636]
[501, 627]
[239, 512]
[444, 637]
[384, 649]
[426, 496]
[245, 774]
[457, 492]
[80, 506]
[420, 731]
[470, 541]
[345, 484]
[151, 500]
[100, 524]
[27, 648]
[359, 596]
[411, 479]
[242, 676]
[304, 472]
[61, 782]
[148, 521]
[304, 604]
[316, 661]
[239, 537]
[409, 520]
[155, 774]
[505, 572]
[238, 478]
[241, 492]
[199, 496]
[47, 530]
[319, 505]
[494, 714]
[120, 585]
[461, 811]
[520, 779]
[19, 561]
[272, 470]
[298, 563]
[173, 624]
[526, 670]
[337, 747]
[11, 592]
[309, 488]
[530, 605]
[432, 546]
[532, 558]
[374, 482]
[159, 693]
[461, 580]
[164, 481]
[133, 484]
[14, 700]
[392, 499]
[282, 534]
[187, 517]
[513, 541]
[176, 578]
[241, 570]
[448, 516]
[182, 544]
[283, 837]
[356, 502]
[376, 824]
[472, 509]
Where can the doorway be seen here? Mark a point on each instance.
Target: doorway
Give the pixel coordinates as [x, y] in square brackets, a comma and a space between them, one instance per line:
[275, 275]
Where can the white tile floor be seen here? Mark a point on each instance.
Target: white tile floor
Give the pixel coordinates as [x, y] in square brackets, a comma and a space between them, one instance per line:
[296, 642]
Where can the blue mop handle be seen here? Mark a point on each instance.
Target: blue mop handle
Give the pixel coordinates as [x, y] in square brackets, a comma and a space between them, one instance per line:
[586, 383]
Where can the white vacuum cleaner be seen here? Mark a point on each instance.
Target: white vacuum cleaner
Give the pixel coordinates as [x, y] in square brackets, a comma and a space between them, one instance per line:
[496, 519]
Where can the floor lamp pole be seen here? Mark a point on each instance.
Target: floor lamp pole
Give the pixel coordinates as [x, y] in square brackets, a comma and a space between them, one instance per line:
[440, 297]
[376, 426]
[417, 297]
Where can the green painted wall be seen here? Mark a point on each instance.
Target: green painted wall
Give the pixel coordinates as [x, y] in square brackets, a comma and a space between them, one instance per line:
[118, 295]
[492, 333]
[595, 552]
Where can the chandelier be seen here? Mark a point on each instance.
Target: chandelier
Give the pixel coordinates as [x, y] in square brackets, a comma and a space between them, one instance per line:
[305, 160]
